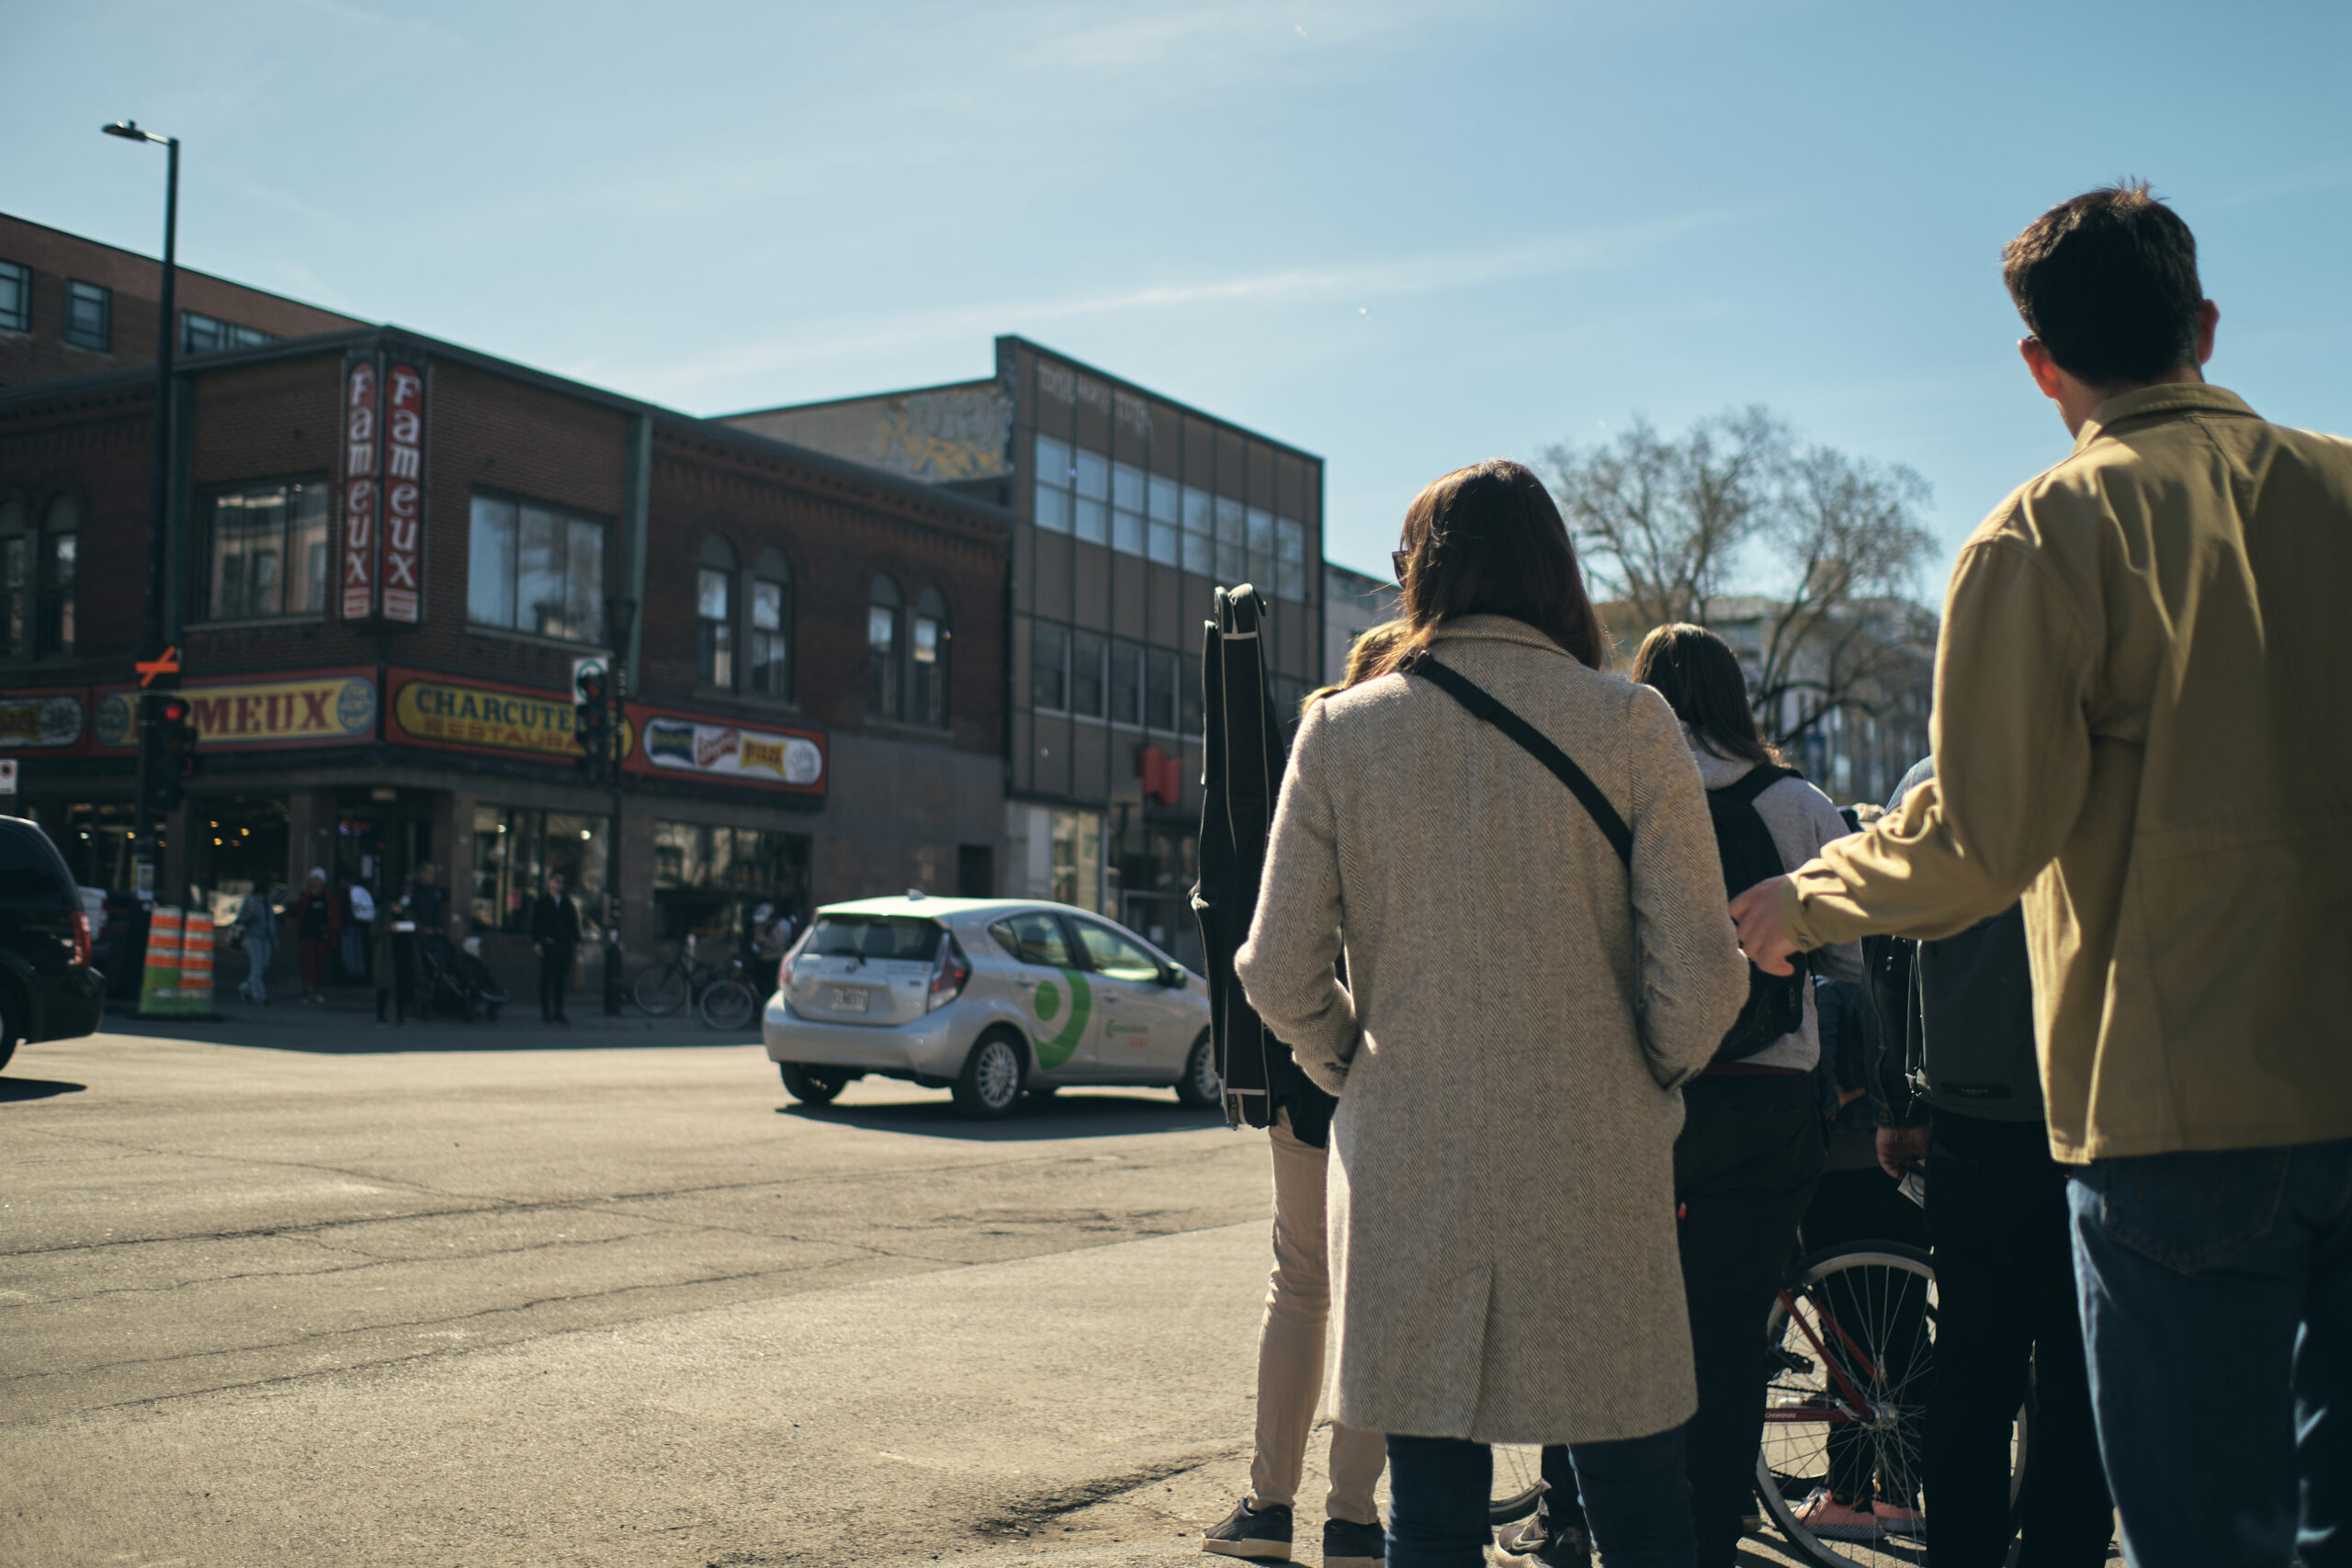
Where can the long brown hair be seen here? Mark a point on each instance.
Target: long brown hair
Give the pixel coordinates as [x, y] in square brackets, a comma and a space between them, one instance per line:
[1487, 540]
[1373, 653]
[1699, 676]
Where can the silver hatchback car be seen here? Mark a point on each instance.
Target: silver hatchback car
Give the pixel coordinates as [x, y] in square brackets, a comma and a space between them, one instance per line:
[991, 998]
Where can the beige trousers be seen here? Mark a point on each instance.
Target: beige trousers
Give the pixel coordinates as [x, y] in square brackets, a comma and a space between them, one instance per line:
[1290, 1348]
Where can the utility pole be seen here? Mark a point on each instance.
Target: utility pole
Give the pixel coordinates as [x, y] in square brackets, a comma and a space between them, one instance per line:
[152, 644]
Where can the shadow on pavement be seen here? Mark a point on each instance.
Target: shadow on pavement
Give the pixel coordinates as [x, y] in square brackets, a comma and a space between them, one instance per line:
[351, 1032]
[1065, 1115]
[35, 1088]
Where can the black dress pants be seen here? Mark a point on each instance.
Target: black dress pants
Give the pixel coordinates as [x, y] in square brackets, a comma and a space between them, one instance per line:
[1743, 1170]
[555, 973]
[2006, 1311]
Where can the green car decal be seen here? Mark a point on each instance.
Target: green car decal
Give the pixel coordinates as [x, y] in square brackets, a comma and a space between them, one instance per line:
[1055, 1049]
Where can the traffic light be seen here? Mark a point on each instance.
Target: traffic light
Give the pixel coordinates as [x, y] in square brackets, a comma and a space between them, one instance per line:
[175, 759]
[592, 721]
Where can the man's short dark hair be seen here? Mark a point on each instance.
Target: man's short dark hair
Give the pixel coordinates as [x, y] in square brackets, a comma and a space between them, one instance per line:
[2108, 282]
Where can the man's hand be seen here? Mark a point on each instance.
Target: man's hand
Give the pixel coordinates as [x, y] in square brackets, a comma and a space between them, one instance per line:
[1766, 942]
[1902, 1150]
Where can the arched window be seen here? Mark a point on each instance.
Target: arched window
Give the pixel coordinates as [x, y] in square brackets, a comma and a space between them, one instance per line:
[15, 582]
[770, 641]
[929, 653]
[885, 686]
[715, 614]
[61, 521]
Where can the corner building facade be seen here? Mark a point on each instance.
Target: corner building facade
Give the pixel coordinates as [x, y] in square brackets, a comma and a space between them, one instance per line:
[379, 620]
[1129, 509]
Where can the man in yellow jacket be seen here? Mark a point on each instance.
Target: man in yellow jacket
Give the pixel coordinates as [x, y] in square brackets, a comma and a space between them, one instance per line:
[2138, 726]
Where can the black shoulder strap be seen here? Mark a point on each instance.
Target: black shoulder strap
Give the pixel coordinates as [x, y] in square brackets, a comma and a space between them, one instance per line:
[1482, 703]
[1755, 782]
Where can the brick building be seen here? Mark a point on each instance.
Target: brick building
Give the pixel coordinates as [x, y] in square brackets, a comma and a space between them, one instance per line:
[390, 551]
[1130, 508]
[72, 307]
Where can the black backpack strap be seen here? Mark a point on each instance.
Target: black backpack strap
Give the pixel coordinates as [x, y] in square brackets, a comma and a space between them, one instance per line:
[1755, 782]
[1483, 704]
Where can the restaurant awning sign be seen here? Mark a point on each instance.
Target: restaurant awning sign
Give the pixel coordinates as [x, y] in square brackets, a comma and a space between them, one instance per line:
[320, 707]
[44, 721]
[456, 713]
[724, 750]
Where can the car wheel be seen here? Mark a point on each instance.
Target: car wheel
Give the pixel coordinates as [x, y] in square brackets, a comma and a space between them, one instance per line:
[812, 1086]
[1201, 1086]
[989, 1085]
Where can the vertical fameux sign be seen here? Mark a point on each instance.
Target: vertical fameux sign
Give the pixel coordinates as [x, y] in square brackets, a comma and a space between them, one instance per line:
[403, 491]
[359, 489]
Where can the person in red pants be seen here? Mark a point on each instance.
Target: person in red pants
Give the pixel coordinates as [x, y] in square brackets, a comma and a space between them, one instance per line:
[318, 921]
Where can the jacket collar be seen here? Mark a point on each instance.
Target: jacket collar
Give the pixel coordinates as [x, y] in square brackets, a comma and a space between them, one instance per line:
[2173, 398]
[1495, 628]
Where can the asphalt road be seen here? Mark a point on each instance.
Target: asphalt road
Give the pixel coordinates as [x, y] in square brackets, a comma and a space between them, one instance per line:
[290, 1293]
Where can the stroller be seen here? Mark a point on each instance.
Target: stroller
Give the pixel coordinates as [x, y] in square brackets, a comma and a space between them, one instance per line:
[453, 981]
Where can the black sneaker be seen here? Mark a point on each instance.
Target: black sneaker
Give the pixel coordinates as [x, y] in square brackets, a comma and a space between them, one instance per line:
[1347, 1544]
[1536, 1544]
[1260, 1533]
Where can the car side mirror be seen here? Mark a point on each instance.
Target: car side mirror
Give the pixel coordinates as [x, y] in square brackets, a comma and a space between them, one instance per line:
[1172, 976]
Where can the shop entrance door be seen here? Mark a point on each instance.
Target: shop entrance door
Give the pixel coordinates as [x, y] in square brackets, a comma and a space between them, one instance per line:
[381, 843]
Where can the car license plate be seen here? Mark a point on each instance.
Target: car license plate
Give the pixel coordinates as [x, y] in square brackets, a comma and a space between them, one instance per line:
[845, 999]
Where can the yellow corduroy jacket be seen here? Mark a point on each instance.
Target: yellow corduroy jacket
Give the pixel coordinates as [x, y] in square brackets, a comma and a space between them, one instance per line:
[2141, 723]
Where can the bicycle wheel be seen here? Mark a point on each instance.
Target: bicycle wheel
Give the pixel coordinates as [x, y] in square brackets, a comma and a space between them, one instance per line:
[661, 990]
[728, 1004]
[1851, 1351]
[1518, 1482]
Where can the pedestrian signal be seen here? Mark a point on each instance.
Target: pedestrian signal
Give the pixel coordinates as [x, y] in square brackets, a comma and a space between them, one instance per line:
[175, 759]
[592, 720]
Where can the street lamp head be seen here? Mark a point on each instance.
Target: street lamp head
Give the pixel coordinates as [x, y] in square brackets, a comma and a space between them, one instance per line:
[129, 130]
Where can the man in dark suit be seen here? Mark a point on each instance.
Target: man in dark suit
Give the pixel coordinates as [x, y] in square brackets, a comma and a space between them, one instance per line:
[555, 936]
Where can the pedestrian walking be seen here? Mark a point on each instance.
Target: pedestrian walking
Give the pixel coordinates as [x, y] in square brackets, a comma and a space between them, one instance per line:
[1264, 1087]
[1511, 847]
[359, 923]
[257, 925]
[1751, 1149]
[2140, 651]
[395, 962]
[317, 923]
[555, 937]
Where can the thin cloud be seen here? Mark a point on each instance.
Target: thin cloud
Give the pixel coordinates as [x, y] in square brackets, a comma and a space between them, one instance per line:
[1340, 287]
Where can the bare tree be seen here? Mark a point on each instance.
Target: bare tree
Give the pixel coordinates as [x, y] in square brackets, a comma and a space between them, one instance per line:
[1840, 635]
[1661, 523]
[1803, 557]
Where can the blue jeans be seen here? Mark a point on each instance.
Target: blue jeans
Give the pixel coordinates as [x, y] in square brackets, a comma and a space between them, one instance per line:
[1636, 1502]
[2217, 1310]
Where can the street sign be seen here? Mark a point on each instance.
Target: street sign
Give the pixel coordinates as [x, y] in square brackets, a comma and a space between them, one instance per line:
[169, 664]
[595, 664]
[7, 775]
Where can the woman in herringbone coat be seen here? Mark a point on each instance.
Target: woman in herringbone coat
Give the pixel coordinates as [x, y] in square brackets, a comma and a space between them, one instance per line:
[1523, 1000]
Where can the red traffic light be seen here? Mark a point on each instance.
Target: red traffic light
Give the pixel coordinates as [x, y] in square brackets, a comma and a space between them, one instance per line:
[175, 711]
[592, 686]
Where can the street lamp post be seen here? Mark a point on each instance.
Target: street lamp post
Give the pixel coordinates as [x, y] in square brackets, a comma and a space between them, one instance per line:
[620, 613]
[152, 643]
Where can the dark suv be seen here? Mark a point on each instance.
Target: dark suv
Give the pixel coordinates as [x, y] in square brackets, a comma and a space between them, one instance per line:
[47, 991]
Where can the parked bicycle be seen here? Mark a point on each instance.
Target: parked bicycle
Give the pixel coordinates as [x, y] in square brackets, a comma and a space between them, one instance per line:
[720, 991]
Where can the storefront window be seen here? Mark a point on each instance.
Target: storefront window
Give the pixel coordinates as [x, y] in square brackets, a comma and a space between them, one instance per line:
[1078, 859]
[96, 841]
[515, 850]
[708, 878]
[1151, 873]
[236, 844]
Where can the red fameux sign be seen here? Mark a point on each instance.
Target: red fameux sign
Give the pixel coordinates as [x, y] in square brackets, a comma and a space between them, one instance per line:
[403, 490]
[359, 489]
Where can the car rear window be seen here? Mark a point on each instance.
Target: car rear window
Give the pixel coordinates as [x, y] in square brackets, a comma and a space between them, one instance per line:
[33, 874]
[876, 936]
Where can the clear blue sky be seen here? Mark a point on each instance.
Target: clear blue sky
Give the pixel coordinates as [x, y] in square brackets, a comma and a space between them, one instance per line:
[1405, 236]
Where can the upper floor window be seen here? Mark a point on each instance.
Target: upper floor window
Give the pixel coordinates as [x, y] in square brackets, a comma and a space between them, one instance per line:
[1049, 667]
[89, 315]
[1089, 514]
[715, 614]
[1161, 511]
[1159, 691]
[15, 297]
[15, 582]
[1290, 559]
[1052, 509]
[927, 703]
[532, 568]
[770, 641]
[53, 552]
[266, 551]
[1126, 684]
[1200, 532]
[884, 611]
[202, 334]
[1232, 542]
